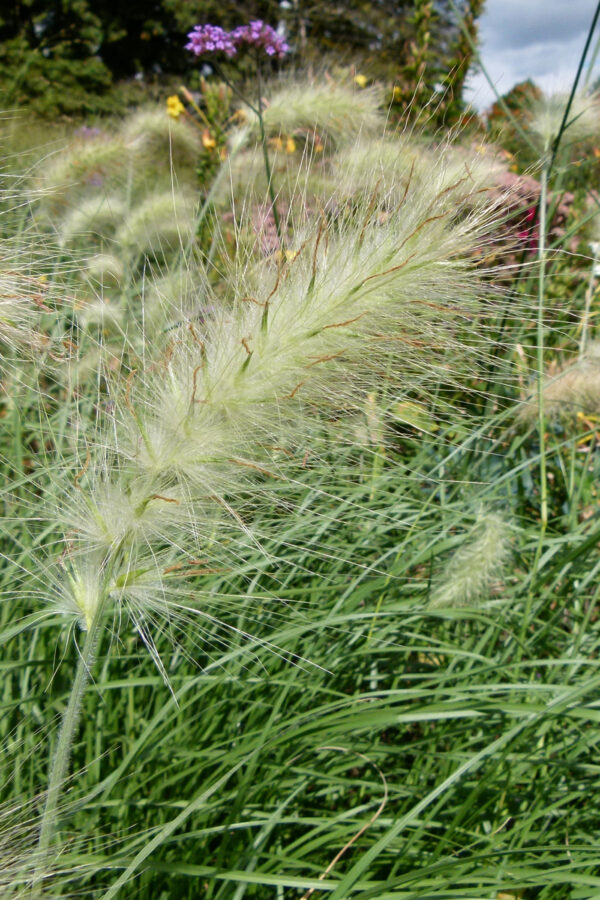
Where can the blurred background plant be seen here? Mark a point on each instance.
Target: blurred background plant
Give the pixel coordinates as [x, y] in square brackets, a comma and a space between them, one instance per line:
[97, 57]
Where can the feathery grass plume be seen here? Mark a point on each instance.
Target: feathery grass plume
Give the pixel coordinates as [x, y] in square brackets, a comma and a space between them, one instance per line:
[93, 182]
[336, 112]
[545, 116]
[100, 314]
[385, 167]
[92, 221]
[214, 417]
[192, 430]
[156, 138]
[301, 180]
[243, 178]
[471, 571]
[24, 299]
[104, 269]
[81, 165]
[162, 223]
[571, 391]
[178, 295]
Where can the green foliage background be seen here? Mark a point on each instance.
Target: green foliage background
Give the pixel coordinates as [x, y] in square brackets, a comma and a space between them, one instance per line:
[65, 58]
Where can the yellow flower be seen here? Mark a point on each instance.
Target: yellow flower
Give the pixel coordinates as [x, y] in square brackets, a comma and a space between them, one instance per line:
[208, 141]
[174, 106]
[397, 92]
[290, 145]
[360, 80]
[286, 255]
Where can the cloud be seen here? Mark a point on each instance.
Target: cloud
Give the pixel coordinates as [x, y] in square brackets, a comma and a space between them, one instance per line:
[519, 23]
[537, 39]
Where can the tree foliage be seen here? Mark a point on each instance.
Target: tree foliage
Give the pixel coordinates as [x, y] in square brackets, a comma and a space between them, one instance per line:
[63, 56]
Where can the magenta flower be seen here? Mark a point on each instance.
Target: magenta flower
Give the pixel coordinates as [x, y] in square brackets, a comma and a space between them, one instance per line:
[210, 39]
[213, 39]
[257, 34]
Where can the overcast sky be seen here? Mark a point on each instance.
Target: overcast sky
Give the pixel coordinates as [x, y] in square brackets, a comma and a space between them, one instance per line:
[537, 39]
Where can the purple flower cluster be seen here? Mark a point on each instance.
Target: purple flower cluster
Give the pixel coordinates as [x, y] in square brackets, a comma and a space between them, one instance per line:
[211, 38]
[257, 34]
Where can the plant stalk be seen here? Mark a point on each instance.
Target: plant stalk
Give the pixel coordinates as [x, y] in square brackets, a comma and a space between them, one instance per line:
[540, 393]
[263, 140]
[540, 349]
[588, 302]
[68, 728]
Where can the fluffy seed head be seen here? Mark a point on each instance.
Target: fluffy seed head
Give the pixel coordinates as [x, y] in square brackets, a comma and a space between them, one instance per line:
[82, 165]
[101, 314]
[571, 391]
[472, 569]
[388, 167]
[223, 402]
[92, 221]
[338, 113]
[157, 138]
[104, 269]
[546, 115]
[162, 223]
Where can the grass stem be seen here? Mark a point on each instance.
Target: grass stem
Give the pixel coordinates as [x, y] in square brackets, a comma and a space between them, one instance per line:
[540, 393]
[68, 728]
[265, 149]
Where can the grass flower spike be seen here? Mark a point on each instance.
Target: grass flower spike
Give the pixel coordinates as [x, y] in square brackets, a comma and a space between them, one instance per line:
[476, 565]
[571, 391]
[546, 116]
[191, 433]
[337, 112]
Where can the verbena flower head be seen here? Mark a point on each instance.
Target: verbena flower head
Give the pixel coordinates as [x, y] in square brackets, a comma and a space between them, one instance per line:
[213, 39]
[210, 39]
[258, 34]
